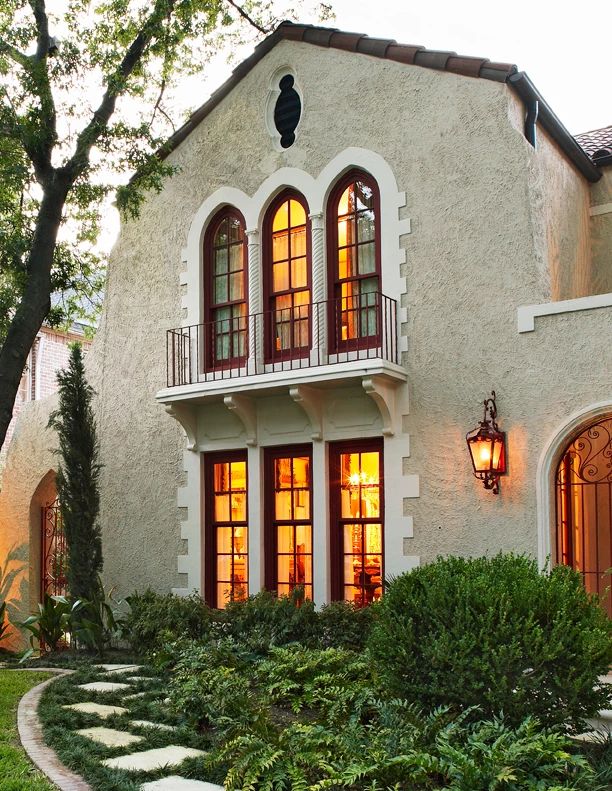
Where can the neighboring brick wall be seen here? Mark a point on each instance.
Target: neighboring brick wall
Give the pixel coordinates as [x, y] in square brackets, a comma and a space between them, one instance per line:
[48, 355]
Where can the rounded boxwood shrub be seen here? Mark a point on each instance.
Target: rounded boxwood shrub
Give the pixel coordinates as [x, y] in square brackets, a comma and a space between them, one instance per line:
[498, 634]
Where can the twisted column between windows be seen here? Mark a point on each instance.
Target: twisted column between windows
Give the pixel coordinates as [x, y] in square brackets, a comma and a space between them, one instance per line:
[319, 319]
[255, 360]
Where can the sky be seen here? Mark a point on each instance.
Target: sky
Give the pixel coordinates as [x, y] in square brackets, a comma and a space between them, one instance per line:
[564, 47]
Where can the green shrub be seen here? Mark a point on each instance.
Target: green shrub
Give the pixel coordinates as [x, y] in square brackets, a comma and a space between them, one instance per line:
[343, 625]
[265, 620]
[50, 625]
[494, 633]
[155, 619]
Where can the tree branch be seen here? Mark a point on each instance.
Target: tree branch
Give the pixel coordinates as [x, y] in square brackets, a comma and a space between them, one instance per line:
[248, 18]
[15, 55]
[42, 26]
[116, 84]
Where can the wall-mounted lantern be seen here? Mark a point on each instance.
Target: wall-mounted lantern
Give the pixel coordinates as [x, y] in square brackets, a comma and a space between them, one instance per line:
[487, 446]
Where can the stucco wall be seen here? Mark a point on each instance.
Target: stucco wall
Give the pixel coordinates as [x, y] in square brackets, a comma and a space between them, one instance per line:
[601, 232]
[28, 484]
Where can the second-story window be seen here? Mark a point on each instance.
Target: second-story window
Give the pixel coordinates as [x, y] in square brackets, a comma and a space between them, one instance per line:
[354, 262]
[225, 305]
[287, 277]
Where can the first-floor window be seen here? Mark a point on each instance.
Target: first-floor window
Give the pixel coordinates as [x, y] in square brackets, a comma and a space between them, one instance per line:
[357, 524]
[288, 520]
[227, 572]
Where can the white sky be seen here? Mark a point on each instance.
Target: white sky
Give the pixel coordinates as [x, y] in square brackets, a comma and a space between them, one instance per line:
[565, 47]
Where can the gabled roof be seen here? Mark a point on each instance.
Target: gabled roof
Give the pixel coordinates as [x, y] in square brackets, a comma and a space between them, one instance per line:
[413, 55]
[597, 144]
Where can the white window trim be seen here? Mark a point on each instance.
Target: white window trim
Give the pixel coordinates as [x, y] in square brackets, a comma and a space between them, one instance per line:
[526, 314]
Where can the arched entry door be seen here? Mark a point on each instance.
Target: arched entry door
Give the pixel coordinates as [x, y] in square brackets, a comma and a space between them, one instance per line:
[584, 508]
[53, 551]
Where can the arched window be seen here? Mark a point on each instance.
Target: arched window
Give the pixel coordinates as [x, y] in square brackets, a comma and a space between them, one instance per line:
[354, 262]
[584, 508]
[225, 288]
[287, 277]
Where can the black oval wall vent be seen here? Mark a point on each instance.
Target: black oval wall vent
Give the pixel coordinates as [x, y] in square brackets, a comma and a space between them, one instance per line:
[287, 111]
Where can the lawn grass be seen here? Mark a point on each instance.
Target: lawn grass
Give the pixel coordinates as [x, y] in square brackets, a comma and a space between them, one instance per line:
[16, 771]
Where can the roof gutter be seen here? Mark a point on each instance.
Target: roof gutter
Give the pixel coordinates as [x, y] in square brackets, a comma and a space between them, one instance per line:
[527, 91]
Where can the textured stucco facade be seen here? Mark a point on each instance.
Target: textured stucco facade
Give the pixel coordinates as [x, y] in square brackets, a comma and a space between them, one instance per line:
[477, 224]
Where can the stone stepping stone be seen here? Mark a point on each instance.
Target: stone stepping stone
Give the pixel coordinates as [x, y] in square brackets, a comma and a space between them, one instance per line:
[176, 783]
[152, 760]
[121, 670]
[96, 708]
[110, 737]
[137, 695]
[140, 678]
[116, 667]
[148, 724]
[103, 686]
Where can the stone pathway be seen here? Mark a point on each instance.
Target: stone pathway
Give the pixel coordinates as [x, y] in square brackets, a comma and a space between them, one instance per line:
[141, 760]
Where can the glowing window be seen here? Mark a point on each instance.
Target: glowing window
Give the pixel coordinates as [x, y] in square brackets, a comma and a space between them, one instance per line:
[227, 530]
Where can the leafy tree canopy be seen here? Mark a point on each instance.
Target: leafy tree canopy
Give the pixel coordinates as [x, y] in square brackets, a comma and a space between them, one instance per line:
[86, 92]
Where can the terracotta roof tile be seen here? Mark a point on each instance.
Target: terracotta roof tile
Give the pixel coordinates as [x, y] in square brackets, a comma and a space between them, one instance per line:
[597, 143]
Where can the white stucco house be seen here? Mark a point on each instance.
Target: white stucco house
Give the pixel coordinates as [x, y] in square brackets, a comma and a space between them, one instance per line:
[362, 240]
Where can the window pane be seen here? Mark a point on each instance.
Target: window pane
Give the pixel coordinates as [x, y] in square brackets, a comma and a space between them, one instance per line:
[236, 286]
[303, 539]
[239, 507]
[280, 277]
[302, 298]
[285, 568]
[283, 505]
[300, 334]
[364, 198]
[365, 226]
[235, 230]
[298, 273]
[298, 243]
[224, 590]
[221, 477]
[222, 507]
[221, 234]
[301, 504]
[303, 566]
[281, 218]
[373, 539]
[370, 467]
[236, 257]
[346, 265]
[366, 254]
[238, 469]
[224, 539]
[241, 541]
[301, 471]
[345, 200]
[280, 249]
[298, 215]
[282, 476]
[221, 261]
[221, 289]
[224, 568]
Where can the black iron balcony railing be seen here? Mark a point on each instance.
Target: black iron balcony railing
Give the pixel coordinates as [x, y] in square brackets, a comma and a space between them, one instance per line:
[356, 327]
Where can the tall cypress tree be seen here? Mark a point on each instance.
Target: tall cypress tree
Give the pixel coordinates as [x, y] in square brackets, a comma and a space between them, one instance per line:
[78, 477]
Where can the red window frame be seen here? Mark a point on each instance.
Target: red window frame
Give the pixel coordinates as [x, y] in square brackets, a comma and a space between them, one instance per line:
[271, 580]
[336, 342]
[294, 352]
[336, 543]
[211, 362]
[211, 524]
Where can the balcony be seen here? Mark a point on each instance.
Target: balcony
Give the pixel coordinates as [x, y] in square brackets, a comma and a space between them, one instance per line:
[301, 349]
[339, 332]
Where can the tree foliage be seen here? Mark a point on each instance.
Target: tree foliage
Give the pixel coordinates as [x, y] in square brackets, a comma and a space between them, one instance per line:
[83, 106]
[78, 477]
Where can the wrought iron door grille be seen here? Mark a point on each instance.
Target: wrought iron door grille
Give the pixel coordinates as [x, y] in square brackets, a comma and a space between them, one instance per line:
[584, 509]
[53, 551]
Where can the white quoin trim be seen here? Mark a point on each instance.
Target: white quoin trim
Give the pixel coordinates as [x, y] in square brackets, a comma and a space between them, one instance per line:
[547, 467]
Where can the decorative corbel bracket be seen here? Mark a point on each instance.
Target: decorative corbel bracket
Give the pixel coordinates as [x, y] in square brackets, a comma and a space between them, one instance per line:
[382, 392]
[244, 409]
[185, 415]
[309, 398]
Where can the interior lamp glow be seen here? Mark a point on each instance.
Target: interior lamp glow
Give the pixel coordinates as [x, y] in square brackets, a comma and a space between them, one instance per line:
[487, 446]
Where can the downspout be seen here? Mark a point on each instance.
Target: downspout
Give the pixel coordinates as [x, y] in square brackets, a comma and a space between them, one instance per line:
[531, 121]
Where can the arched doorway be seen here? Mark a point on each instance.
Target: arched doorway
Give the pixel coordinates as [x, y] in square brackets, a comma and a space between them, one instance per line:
[53, 551]
[583, 495]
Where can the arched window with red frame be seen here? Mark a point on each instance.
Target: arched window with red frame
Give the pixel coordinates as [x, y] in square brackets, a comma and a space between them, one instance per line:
[287, 277]
[353, 256]
[225, 290]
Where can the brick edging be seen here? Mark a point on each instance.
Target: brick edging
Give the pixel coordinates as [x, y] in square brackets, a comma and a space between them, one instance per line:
[31, 736]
